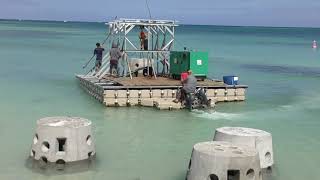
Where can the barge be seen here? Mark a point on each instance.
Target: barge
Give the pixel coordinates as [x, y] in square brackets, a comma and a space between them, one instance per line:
[149, 75]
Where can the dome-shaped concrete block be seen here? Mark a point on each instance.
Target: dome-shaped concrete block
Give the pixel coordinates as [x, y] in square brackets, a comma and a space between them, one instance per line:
[218, 160]
[62, 139]
[258, 139]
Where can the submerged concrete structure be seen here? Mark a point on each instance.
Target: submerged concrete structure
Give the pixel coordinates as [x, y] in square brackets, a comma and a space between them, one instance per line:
[216, 160]
[255, 138]
[62, 139]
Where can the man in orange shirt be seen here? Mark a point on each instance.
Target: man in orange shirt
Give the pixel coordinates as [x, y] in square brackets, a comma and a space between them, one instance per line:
[142, 37]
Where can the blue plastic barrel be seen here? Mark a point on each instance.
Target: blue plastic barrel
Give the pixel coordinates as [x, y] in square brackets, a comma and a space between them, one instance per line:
[231, 80]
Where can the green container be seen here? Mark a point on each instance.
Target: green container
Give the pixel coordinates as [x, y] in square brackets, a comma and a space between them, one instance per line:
[182, 61]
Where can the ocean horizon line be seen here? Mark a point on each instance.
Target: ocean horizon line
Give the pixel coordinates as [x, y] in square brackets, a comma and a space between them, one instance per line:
[182, 24]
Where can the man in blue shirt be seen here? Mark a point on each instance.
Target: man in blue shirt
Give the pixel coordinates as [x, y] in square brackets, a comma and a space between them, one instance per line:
[98, 51]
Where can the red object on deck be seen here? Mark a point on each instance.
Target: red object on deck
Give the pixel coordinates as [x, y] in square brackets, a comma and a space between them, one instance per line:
[184, 76]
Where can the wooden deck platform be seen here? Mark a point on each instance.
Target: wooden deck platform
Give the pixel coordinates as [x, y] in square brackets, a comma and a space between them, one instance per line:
[159, 81]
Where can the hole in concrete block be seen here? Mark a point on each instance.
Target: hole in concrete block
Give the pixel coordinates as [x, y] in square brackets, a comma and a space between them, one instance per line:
[89, 140]
[45, 146]
[90, 154]
[61, 144]
[33, 153]
[237, 152]
[219, 149]
[233, 147]
[269, 169]
[213, 177]
[60, 164]
[250, 174]
[60, 161]
[233, 175]
[44, 159]
[35, 139]
[268, 156]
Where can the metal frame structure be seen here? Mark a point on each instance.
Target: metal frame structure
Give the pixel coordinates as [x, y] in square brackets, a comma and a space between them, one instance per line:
[124, 31]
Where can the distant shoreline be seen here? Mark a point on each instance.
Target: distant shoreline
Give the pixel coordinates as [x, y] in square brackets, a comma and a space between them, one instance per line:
[67, 21]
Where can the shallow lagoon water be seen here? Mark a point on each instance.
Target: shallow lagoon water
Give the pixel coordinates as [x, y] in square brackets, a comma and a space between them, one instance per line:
[39, 61]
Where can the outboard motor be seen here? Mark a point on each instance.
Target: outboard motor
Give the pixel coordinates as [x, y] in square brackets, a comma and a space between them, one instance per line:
[197, 100]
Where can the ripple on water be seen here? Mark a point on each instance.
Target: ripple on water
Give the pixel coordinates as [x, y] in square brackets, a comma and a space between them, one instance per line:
[216, 115]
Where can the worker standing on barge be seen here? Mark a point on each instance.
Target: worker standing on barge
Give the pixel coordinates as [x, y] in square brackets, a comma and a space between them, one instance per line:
[143, 38]
[115, 55]
[98, 51]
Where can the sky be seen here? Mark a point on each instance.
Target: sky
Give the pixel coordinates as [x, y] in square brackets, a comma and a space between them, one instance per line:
[283, 13]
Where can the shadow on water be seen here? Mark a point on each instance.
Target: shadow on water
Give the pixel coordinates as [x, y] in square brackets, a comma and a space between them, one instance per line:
[291, 70]
[60, 168]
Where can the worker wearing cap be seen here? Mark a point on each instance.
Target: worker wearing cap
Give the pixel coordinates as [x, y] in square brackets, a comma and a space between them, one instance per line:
[189, 85]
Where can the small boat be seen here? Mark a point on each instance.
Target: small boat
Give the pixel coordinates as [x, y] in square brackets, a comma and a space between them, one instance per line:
[314, 44]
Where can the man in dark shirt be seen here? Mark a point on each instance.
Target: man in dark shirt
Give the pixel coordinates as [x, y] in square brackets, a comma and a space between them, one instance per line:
[98, 51]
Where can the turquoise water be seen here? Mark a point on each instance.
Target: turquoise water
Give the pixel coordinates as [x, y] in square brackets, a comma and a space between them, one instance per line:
[39, 61]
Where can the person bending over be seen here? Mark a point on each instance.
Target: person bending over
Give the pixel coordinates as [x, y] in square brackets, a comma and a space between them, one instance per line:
[189, 85]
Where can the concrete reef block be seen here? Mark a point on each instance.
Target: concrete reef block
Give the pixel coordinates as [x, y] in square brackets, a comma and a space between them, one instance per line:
[217, 160]
[254, 138]
[62, 139]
